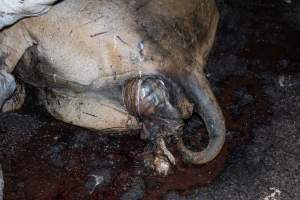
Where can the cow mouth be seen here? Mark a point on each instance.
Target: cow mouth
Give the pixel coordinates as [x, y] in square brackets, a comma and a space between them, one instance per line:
[162, 107]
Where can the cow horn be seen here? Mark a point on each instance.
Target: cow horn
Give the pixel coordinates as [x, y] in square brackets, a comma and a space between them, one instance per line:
[206, 106]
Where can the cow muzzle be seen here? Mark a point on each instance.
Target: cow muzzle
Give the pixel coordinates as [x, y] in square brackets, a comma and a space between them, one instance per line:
[162, 107]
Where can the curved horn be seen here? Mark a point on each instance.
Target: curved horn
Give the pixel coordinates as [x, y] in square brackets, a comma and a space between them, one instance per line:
[198, 88]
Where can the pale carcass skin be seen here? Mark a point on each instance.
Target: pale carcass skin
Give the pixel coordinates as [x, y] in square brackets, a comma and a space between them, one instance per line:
[83, 55]
[86, 50]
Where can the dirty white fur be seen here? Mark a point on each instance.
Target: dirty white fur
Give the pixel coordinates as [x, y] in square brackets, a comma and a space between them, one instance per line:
[88, 49]
[14, 10]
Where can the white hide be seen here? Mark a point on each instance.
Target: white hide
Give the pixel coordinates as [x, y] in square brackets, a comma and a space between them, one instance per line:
[83, 52]
[14, 10]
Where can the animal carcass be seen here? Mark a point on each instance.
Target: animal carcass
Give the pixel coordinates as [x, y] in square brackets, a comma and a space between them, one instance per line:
[123, 64]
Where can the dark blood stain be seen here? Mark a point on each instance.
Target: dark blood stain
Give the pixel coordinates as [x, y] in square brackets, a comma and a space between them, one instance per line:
[57, 161]
[243, 103]
[185, 177]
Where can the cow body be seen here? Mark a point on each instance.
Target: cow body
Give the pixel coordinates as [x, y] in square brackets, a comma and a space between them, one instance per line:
[83, 53]
[85, 50]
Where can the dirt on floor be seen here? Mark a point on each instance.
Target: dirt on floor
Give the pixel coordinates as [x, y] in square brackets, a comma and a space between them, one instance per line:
[254, 69]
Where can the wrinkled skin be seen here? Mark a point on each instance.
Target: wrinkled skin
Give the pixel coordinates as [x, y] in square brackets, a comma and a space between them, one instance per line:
[118, 65]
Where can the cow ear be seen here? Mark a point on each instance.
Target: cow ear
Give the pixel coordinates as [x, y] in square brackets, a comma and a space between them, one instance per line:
[13, 43]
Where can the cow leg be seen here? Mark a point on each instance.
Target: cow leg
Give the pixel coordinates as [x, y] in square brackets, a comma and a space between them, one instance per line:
[14, 41]
[7, 86]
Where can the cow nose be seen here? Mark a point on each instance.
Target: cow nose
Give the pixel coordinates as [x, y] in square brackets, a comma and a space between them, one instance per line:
[147, 97]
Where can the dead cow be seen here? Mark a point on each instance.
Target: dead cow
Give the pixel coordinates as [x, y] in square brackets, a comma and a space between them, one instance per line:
[123, 64]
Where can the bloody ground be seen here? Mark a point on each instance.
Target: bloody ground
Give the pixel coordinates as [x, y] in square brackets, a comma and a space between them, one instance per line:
[254, 69]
